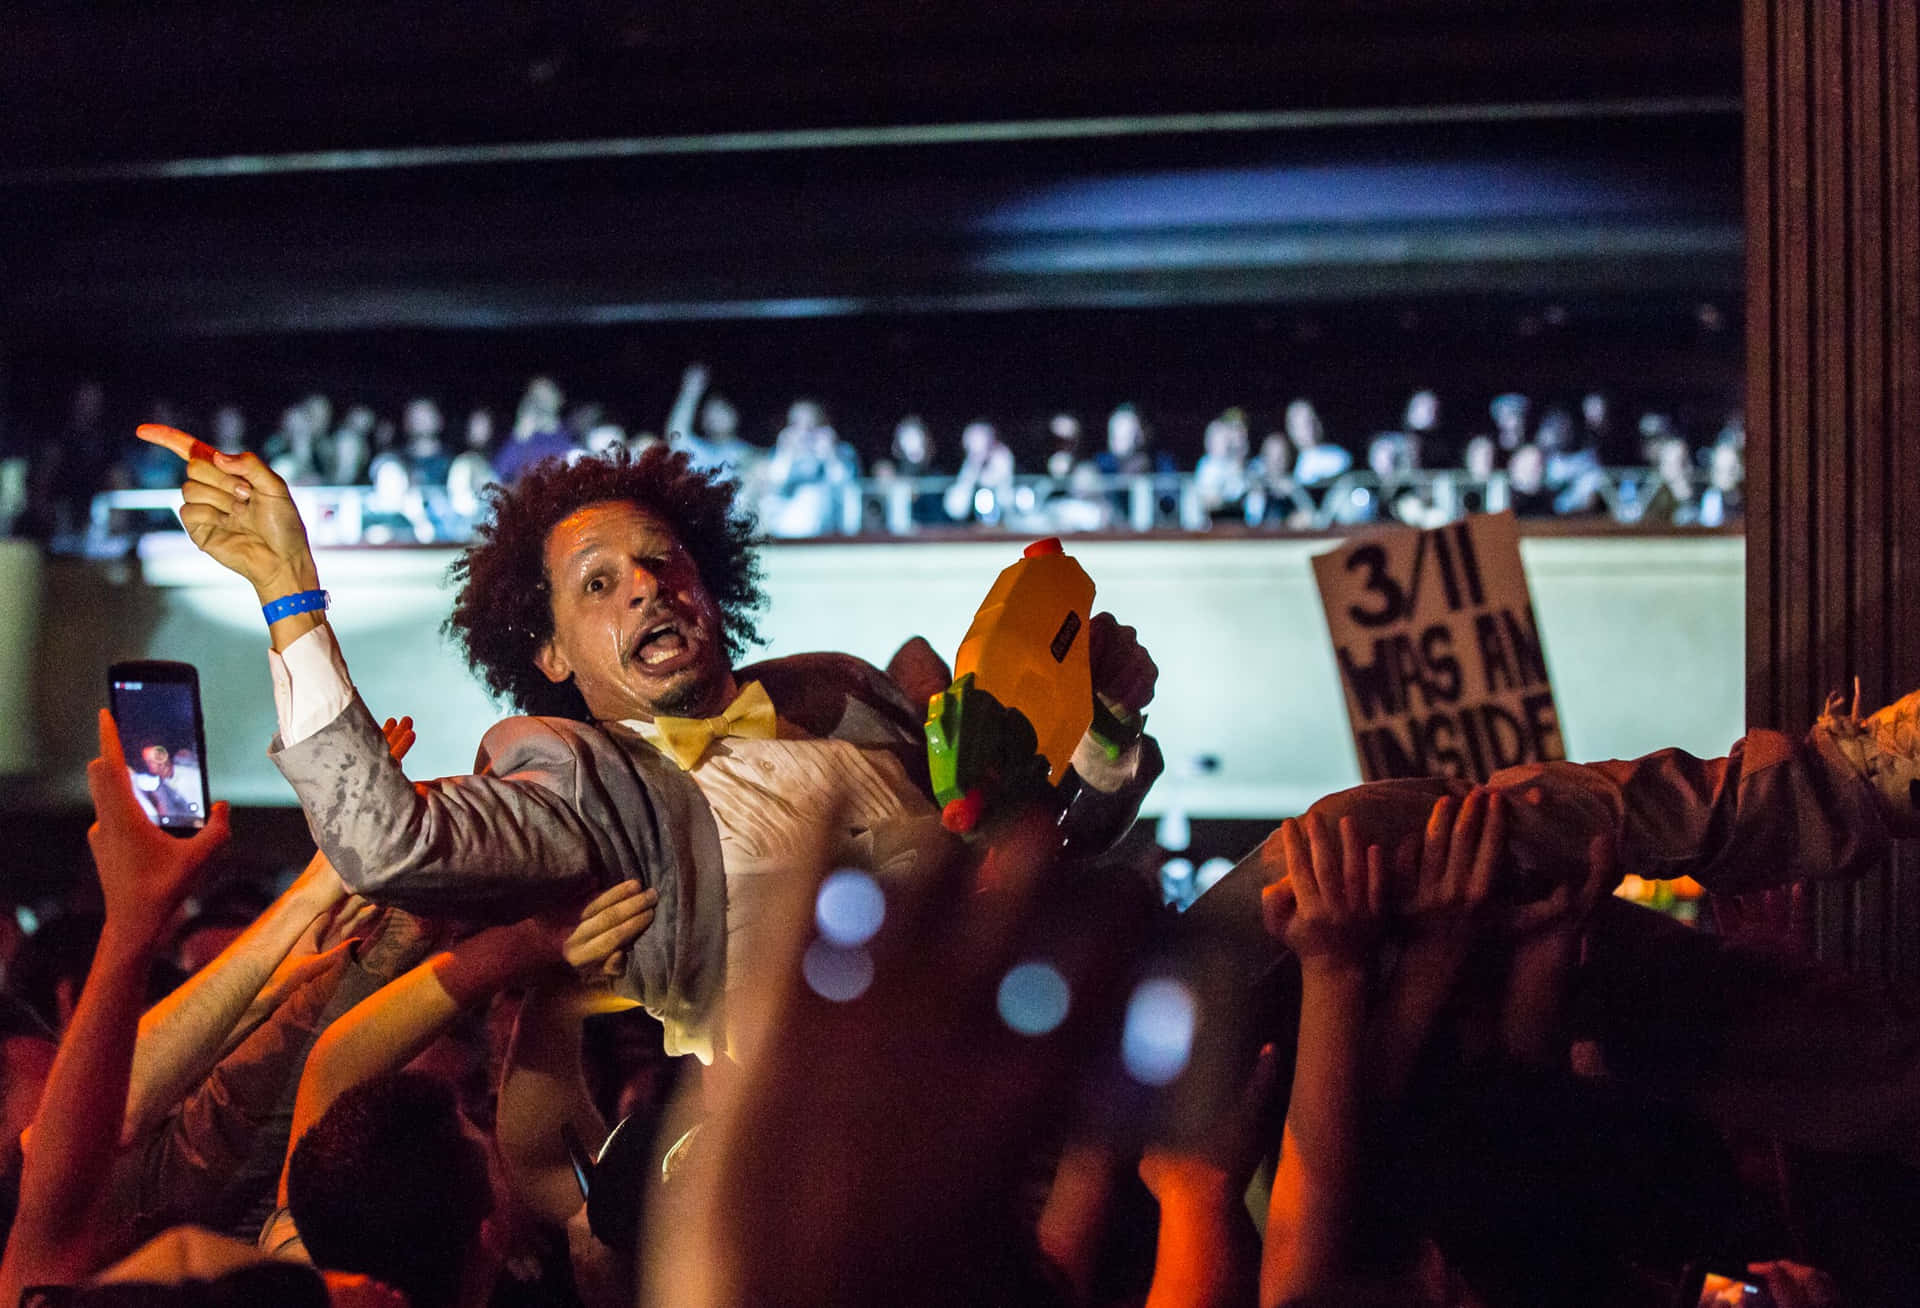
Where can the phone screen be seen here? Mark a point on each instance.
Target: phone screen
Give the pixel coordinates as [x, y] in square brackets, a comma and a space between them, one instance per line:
[157, 708]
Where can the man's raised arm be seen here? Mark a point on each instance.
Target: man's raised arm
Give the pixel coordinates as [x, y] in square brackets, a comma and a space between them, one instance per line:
[505, 846]
[552, 812]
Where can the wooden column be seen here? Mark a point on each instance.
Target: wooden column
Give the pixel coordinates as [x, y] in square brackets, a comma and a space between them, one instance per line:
[1833, 395]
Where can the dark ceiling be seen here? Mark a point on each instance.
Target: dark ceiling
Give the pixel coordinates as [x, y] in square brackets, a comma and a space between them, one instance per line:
[242, 168]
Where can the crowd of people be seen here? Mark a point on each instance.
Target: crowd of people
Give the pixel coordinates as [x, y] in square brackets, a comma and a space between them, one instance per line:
[861, 1048]
[419, 482]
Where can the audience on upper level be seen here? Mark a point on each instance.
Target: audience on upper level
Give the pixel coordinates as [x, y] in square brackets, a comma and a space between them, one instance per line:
[1570, 461]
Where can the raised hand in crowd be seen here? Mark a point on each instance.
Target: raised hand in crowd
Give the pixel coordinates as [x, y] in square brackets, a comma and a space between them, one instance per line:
[880, 1079]
[1795, 1285]
[1333, 907]
[1778, 919]
[1330, 910]
[1208, 1254]
[1545, 938]
[1441, 890]
[184, 1035]
[145, 874]
[384, 1033]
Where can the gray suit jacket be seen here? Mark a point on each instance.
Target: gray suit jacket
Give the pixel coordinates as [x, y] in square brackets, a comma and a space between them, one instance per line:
[554, 808]
[557, 806]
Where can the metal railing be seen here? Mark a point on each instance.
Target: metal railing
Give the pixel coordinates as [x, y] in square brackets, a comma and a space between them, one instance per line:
[909, 506]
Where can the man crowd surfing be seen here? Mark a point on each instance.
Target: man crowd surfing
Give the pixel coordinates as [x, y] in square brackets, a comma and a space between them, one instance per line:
[1410, 1051]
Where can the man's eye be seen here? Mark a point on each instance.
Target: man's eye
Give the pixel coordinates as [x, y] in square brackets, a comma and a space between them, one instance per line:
[595, 585]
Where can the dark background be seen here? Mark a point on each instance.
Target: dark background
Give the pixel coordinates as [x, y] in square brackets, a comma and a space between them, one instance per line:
[206, 201]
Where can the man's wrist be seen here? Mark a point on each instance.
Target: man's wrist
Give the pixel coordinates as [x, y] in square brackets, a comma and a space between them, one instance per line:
[291, 578]
[296, 577]
[1334, 969]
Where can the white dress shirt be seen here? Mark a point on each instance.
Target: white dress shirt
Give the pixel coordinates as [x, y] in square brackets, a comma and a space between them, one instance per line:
[781, 804]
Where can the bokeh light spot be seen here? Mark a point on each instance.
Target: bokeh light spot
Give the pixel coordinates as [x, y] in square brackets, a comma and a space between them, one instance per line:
[850, 908]
[1158, 1037]
[1034, 998]
[838, 974]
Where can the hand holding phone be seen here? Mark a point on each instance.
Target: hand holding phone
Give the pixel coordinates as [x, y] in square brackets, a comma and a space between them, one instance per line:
[143, 875]
[157, 707]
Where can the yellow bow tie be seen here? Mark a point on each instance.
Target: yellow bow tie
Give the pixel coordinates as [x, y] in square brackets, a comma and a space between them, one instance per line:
[685, 740]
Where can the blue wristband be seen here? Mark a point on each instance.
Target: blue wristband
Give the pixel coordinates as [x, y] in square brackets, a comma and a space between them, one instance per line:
[305, 601]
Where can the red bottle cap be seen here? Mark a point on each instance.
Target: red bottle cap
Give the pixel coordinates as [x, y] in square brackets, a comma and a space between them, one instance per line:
[963, 814]
[1051, 545]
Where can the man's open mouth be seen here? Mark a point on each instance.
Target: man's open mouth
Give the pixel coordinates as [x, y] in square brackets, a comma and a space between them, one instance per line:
[662, 646]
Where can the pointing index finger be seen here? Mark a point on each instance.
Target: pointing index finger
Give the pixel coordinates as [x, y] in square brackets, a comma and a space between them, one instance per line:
[172, 438]
[110, 749]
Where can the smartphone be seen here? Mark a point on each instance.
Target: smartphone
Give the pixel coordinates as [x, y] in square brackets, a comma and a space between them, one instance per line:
[157, 707]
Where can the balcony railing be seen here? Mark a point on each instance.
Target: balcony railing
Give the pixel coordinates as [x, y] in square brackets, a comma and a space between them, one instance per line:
[891, 507]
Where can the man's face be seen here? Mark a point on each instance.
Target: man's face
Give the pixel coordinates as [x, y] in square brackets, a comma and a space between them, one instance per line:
[158, 761]
[633, 624]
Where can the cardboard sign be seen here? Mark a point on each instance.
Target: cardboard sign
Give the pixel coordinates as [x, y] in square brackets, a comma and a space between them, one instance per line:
[1439, 652]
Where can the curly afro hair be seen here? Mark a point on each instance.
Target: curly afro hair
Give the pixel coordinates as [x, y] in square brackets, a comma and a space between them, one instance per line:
[503, 613]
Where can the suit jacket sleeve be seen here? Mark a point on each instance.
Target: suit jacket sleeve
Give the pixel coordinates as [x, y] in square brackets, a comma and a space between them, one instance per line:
[510, 839]
[1106, 794]
[553, 810]
[1774, 810]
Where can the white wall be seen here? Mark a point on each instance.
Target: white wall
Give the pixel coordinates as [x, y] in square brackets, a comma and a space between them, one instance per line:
[1644, 636]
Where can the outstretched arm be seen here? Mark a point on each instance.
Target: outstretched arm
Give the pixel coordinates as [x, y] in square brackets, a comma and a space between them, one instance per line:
[388, 1030]
[542, 1088]
[185, 1034]
[1208, 1254]
[1546, 946]
[1338, 896]
[144, 875]
[501, 843]
[1443, 891]
[181, 1037]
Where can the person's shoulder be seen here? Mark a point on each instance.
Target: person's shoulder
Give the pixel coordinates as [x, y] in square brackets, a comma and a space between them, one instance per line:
[523, 737]
[816, 690]
[613, 754]
[819, 670]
